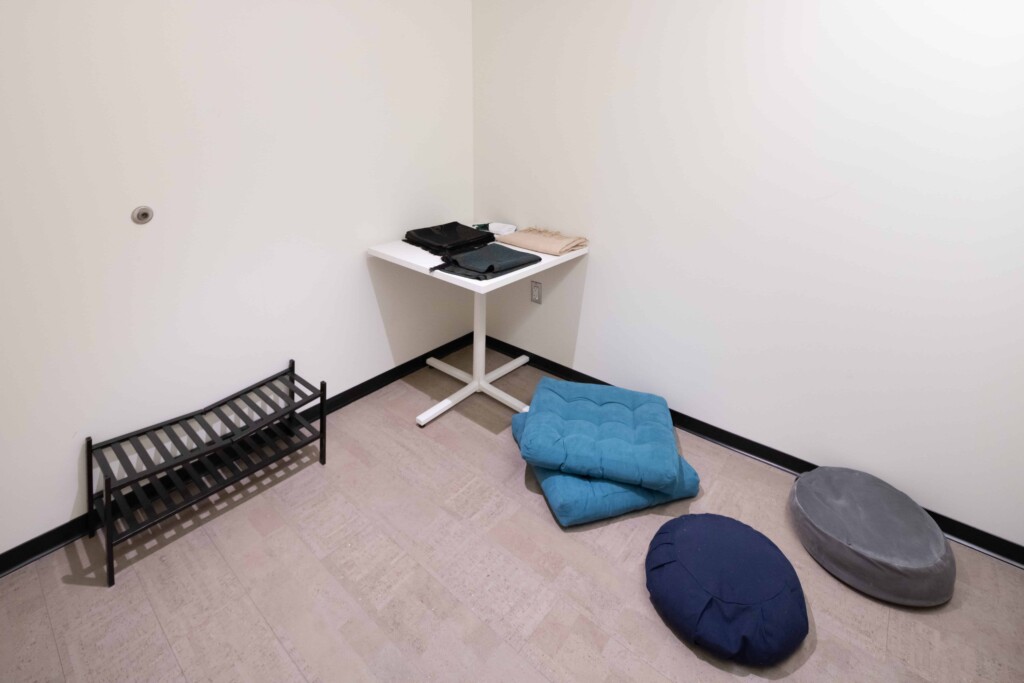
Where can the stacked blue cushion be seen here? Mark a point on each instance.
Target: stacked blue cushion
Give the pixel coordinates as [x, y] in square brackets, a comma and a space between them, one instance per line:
[600, 451]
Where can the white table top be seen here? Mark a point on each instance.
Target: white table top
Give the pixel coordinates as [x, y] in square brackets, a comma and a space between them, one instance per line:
[421, 260]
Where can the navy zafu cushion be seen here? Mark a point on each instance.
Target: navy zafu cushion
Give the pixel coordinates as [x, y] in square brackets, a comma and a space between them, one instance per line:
[724, 586]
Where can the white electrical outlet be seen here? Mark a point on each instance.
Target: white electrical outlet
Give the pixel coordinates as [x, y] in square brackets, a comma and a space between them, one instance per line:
[534, 291]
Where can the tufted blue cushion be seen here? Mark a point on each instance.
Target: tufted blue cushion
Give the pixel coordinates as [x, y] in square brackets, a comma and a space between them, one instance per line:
[578, 500]
[726, 587]
[601, 432]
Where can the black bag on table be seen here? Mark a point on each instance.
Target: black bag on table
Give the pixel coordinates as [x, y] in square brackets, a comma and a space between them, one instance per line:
[448, 239]
[487, 262]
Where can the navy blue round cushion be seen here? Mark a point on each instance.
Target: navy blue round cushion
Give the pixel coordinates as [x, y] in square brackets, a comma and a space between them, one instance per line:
[724, 586]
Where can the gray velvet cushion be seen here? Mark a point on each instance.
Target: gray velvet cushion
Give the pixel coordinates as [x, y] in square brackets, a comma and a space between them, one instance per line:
[872, 537]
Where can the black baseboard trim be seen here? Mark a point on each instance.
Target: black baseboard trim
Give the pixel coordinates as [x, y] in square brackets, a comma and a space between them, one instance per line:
[385, 378]
[989, 543]
[71, 531]
[982, 540]
[543, 364]
[43, 544]
[736, 442]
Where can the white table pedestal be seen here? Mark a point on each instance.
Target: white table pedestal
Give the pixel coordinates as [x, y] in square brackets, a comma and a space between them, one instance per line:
[478, 381]
[408, 256]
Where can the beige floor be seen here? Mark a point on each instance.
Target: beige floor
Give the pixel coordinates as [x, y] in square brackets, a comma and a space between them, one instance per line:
[429, 554]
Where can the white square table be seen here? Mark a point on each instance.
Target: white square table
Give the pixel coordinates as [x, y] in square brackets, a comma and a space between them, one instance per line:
[422, 261]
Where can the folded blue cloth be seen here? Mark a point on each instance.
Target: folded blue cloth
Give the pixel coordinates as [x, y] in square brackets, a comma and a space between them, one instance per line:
[578, 500]
[602, 432]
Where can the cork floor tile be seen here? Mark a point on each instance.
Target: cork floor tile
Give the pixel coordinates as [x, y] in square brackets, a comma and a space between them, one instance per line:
[28, 651]
[431, 554]
[215, 630]
[321, 626]
[103, 634]
[972, 637]
[859, 620]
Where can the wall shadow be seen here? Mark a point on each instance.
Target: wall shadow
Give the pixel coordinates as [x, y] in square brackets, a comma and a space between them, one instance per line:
[92, 569]
[418, 313]
[551, 328]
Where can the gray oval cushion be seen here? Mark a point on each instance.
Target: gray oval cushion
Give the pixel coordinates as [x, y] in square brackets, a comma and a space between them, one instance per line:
[872, 537]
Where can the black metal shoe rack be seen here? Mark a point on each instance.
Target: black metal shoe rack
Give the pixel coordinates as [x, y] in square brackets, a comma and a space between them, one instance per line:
[153, 473]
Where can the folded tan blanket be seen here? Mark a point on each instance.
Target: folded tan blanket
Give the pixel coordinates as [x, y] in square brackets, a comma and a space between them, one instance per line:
[544, 241]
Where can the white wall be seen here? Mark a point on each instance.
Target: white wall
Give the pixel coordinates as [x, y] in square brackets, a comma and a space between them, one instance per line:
[806, 217]
[807, 220]
[276, 140]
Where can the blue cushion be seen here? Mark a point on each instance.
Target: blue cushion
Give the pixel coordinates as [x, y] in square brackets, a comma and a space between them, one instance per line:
[726, 587]
[601, 432]
[578, 500]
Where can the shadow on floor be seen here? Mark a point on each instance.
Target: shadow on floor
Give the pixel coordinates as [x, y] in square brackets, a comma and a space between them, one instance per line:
[93, 571]
[671, 511]
[781, 670]
[486, 412]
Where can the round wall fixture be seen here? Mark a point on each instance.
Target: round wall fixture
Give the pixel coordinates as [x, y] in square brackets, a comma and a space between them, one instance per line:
[142, 215]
